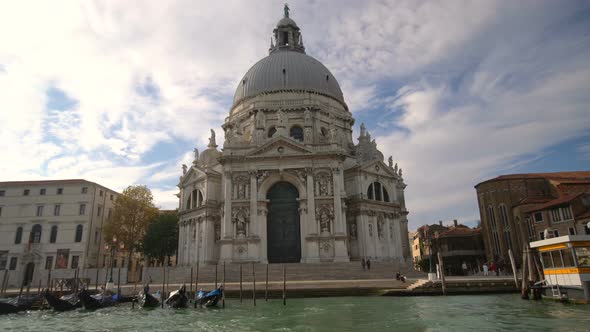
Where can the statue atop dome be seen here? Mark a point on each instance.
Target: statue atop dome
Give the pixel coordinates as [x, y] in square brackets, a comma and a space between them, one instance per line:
[286, 10]
[212, 143]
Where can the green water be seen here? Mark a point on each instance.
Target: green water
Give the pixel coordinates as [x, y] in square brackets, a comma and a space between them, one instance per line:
[450, 313]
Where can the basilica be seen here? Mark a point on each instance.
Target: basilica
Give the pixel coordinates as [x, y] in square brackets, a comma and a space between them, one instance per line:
[290, 185]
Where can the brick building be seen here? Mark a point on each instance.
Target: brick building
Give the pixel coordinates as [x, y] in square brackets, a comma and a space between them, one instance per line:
[508, 205]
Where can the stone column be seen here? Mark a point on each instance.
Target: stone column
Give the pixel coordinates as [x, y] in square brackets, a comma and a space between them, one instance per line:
[340, 250]
[303, 224]
[226, 224]
[261, 215]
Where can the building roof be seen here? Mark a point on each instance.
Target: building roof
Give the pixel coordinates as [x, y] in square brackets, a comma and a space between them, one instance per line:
[555, 202]
[460, 231]
[48, 182]
[569, 177]
[288, 69]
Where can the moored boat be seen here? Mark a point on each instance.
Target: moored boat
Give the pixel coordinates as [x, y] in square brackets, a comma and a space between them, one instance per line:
[64, 303]
[98, 301]
[566, 267]
[16, 304]
[178, 298]
[147, 300]
[210, 299]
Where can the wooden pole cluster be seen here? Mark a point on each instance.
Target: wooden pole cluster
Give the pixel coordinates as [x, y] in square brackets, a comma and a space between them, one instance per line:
[524, 292]
[284, 285]
[191, 282]
[119, 281]
[240, 283]
[215, 276]
[223, 296]
[95, 280]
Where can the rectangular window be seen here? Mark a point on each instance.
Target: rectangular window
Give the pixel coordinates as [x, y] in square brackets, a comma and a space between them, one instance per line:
[63, 255]
[110, 213]
[56, 209]
[12, 266]
[0, 211]
[48, 262]
[503, 215]
[111, 197]
[75, 260]
[84, 190]
[507, 239]
[567, 213]
[82, 209]
[42, 191]
[26, 192]
[567, 256]
[115, 262]
[39, 210]
[496, 243]
[541, 236]
[96, 235]
[556, 215]
[99, 211]
[546, 260]
[583, 255]
[2, 193]
[586, 200]
[3, 260]
[538, 217]
[60, 191]
[572, 231]
[556, 233]
[100, 193]
[556, 256]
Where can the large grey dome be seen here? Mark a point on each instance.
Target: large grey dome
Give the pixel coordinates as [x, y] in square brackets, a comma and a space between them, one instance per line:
[288, 70]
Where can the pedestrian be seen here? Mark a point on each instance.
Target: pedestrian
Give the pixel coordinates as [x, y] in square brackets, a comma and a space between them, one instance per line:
[363, 264]
[464, 267]
[368, 264]
[493, 268]
[485, 269]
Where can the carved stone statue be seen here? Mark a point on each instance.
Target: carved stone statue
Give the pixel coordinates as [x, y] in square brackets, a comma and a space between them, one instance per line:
[400, 172]
[280, 119]
[184, 169]
[380, 228]
[217, 231]
[370, 230]
[390, 231]
[212, 143]
[363, 129]
[324, 222]
[395, 168]
[334, 134]
[390, 160]
[353, 230]
[286, 10]
[260, 119]
[307, 118]
[240, 226]
[323, 186]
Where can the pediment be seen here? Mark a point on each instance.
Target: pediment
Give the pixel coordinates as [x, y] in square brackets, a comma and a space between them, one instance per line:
[378, 167]
[194, 174]
[280, 146]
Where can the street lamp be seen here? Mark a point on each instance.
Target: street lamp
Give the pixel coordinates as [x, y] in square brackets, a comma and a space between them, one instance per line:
[113, 248]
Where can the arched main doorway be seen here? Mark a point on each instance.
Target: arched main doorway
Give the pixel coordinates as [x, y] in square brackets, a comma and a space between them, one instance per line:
[282, 224]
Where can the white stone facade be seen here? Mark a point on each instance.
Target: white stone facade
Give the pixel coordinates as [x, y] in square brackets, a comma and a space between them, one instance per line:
[39, 219]
[289, 166]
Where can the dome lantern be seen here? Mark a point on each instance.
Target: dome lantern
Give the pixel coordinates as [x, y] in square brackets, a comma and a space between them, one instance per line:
[287, 35]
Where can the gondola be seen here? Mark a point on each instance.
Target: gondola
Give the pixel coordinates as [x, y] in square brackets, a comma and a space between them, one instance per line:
[16, 304]
[147, 300]
[64, 303]
[210, 299]
[98, 301]
[178, 298]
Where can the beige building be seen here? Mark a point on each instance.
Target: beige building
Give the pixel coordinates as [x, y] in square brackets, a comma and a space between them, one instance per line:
[290, 185]
[53, 224]
[515, 209]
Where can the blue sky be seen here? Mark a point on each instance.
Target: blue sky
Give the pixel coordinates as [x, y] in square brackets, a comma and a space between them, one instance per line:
[457, 91]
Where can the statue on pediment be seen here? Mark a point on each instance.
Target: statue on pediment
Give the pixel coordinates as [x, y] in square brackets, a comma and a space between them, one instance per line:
[184, 168]
[390, 160]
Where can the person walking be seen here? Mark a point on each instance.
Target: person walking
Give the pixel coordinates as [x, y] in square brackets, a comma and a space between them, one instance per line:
[485, 269]
[464, 267]
[363, 264]
[493, 268]
[368, 264]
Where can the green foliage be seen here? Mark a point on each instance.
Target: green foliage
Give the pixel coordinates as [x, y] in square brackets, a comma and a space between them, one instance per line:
[161, 237]
[423, 265]
[132, 212]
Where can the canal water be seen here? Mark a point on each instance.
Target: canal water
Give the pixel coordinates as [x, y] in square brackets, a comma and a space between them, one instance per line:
[450, 313]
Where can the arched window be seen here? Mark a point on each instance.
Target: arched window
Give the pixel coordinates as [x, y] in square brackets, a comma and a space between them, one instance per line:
[377, 192]
[79, 230]
[19, 235]
[194, 196]
[53, 234]
[188, 202]
[35, 234]
[271, 131]
[296, 132]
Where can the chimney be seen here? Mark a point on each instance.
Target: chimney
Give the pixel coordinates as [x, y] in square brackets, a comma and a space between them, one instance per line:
[455, 222]
[440, 222]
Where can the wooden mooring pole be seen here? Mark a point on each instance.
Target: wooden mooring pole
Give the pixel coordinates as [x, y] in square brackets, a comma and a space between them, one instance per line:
[49, 279]
[119, 281]
[442, 273]
[266, 285]
[524, 293]
[163, 296]
[215, 276]
[197, 279]
[223, 296]
[284, 285]
[253, 284]
[191, 282]
[513, 263]
[240, 283]
[95, 280]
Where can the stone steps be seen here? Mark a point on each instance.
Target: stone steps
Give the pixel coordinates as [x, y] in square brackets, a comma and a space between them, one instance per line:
[294, 272]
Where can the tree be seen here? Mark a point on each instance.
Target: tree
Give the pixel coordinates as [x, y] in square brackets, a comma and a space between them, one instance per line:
[161, 239]
[132, 212]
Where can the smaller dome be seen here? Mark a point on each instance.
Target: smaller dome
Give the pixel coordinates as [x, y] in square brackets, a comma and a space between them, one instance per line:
[209, 157]
[285, 21]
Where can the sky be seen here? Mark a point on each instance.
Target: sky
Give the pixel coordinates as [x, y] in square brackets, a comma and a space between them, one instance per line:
[120, 92]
